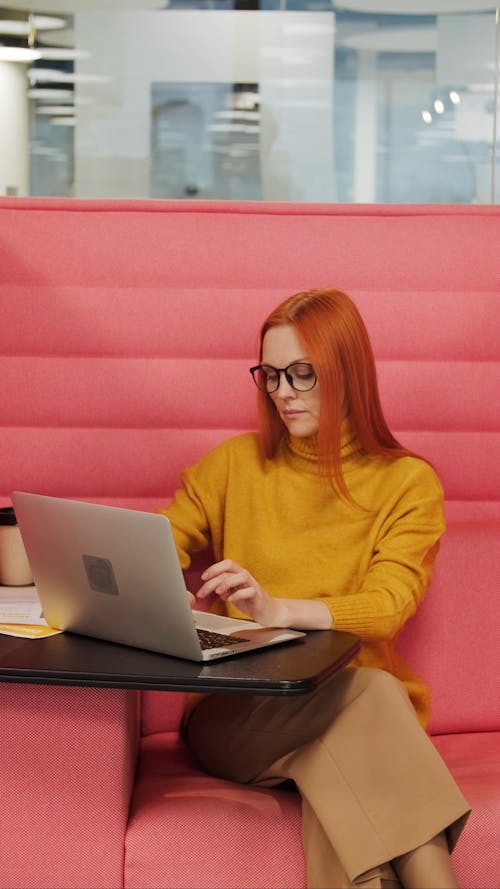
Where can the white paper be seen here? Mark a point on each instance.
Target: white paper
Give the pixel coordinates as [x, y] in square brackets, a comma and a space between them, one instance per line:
[20, 605]
[21, 613]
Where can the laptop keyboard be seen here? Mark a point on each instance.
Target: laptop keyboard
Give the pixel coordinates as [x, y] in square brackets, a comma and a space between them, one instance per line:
[209, 639]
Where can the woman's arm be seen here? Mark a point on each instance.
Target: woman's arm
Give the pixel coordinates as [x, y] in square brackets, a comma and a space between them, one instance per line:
[234, 584]
[400, 567]
[388, 593]
[195, 512]
[189, 524]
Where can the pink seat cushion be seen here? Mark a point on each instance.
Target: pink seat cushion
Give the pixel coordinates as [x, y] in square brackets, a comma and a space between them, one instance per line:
[188, 829]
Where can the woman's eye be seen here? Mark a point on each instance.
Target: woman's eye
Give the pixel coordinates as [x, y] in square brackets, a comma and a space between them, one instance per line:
[304, 373]
[271, 379]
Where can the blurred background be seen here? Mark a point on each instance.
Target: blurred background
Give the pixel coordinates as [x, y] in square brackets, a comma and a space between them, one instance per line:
[278, 100]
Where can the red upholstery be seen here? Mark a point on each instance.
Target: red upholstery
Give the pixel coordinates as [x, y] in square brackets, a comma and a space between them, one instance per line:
[188, 829]
[67, 759]
[126, 331]
[475, 763]
[453, 639]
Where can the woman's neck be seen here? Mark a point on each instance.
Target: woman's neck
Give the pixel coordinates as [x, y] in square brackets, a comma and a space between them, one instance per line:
[304, 450]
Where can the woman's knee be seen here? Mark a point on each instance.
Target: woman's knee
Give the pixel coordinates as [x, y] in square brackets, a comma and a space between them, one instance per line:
[378, 686]
[381, 680]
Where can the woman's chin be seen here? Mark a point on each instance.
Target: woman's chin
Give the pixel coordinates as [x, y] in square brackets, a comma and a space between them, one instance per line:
[300, 427]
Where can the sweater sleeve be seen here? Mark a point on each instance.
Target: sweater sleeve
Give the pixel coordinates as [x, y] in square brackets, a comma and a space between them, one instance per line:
[195, 513]
[401, 565]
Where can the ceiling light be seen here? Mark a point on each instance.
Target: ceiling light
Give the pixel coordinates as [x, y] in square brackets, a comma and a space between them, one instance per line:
[52, 95]
[18, 54]
[426, 116]
[61, 53]
[65, 99]
[64, 110]
[454, 97]
[19, 28]
[47, 75]
[36, 74]
[438, 106]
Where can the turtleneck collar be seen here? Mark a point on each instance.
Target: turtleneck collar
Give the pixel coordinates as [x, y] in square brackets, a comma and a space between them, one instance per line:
[304, 451]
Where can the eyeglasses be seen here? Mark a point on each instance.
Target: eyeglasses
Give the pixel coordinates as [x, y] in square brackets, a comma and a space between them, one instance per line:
[299, 376]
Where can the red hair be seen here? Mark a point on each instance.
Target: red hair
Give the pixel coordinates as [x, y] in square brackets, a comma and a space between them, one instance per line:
[333, 332]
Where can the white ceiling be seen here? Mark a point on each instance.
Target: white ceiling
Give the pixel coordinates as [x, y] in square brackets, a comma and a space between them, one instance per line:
[359, 35]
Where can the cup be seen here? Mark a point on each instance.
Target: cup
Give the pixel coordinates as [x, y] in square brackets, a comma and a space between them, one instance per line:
[14, 566]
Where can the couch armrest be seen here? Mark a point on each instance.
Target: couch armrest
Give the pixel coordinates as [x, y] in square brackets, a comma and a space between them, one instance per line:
[67, 761]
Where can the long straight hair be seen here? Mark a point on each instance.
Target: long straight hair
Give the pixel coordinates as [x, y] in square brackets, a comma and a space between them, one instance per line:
[338, 346]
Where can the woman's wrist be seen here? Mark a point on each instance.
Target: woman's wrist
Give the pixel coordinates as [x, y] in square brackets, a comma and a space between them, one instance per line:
[304, 614]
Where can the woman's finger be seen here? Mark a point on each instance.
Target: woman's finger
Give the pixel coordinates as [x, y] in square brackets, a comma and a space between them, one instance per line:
[242, 594]
[220, 568]
[222, 583]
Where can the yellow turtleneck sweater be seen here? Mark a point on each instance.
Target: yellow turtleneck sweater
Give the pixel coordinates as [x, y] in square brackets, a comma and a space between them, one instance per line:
[277, 519]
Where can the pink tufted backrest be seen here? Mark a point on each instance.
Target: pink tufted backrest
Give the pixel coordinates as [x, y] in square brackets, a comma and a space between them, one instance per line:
[126, 331]
[453, 641]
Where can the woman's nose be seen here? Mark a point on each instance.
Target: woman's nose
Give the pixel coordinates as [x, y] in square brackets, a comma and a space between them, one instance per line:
[285, 389]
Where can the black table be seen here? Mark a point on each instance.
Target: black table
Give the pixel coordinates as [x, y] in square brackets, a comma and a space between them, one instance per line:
[67, 659]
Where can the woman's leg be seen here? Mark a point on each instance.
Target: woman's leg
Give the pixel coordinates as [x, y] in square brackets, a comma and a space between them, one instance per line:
[363, 765]
[324, 870]
[427, 867]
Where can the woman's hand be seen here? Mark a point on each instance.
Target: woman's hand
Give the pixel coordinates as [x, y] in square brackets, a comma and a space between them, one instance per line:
[234, 584]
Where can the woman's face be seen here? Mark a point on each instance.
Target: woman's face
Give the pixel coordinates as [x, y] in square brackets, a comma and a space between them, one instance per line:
[299, 411]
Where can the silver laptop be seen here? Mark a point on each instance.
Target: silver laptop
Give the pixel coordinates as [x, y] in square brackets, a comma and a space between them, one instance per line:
[114, 574]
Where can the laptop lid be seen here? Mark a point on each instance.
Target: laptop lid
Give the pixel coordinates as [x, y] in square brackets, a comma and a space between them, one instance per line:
[114, 573]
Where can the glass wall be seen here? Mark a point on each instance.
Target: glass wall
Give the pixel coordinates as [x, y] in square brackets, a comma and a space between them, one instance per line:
[298, 100]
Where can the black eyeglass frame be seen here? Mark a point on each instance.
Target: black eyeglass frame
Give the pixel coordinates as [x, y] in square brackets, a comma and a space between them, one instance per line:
[288, 377]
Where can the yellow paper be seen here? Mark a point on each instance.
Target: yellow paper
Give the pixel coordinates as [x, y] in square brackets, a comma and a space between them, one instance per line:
[27, 631]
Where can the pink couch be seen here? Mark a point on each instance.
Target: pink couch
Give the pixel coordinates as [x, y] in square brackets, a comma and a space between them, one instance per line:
[126, 330]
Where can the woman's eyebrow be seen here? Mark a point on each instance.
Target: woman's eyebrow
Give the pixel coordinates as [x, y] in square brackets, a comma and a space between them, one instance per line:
[295, 361]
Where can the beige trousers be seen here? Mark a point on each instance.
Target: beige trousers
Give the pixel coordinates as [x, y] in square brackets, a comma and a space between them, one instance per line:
[373, 786]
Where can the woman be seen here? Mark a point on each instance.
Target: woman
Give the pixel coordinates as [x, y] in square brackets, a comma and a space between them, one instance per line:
[324, 520]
